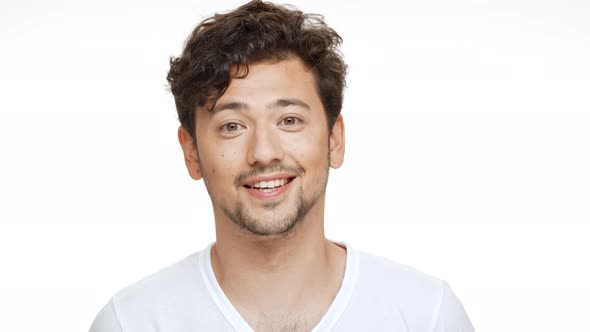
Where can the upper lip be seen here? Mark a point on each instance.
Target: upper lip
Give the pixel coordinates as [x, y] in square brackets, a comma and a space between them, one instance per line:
[250, 182]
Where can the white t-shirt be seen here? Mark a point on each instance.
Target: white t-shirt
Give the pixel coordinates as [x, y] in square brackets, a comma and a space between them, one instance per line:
[376, 295]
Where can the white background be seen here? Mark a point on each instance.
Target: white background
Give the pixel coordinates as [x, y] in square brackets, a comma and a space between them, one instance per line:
[468, 153]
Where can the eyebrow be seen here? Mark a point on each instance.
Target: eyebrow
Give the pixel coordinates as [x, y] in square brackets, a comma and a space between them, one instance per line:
[239, 106]
[284, 102]
[279, 103]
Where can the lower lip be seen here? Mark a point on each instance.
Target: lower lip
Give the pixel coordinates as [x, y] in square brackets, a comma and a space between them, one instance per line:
[270, 195]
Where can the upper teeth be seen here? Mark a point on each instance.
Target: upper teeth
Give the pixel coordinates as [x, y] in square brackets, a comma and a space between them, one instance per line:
[269, 184]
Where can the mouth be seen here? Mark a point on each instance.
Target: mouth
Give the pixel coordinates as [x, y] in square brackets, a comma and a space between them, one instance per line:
[269, 186]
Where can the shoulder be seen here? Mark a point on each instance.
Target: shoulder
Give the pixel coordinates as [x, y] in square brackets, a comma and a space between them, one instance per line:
[163, 286]
[162, 296]
[395, 278]
[423, 302]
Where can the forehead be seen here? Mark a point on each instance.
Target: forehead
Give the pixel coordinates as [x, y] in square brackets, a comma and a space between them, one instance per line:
[269, 81]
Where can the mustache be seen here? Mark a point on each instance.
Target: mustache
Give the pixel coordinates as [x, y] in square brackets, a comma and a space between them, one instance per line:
[266, 169]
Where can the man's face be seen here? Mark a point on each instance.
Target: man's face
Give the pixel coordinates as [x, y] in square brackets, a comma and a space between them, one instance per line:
[265, 150]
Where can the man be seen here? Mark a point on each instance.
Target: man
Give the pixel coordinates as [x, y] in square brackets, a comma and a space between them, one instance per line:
[258, 93]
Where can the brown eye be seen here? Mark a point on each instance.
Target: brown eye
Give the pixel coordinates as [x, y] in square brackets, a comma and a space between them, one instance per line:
[232, 126]
[290, 121]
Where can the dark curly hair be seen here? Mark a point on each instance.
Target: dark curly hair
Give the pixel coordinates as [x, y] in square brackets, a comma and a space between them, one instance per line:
[254, 32]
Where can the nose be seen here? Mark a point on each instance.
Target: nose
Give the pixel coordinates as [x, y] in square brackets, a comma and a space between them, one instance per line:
[264, 147]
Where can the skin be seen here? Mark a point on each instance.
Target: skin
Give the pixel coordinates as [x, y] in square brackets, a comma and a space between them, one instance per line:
[271, 257]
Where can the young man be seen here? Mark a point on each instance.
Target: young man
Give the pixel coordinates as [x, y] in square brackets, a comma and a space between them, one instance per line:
[259, 93]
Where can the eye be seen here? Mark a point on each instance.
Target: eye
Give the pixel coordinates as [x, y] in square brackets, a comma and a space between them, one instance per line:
[231, 127]
[290, 121]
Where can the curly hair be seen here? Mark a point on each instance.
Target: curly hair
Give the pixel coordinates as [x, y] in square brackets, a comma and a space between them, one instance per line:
[224, 45]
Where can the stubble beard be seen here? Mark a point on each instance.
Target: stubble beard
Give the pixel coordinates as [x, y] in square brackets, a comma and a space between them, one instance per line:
[274, 225]
[267, 228]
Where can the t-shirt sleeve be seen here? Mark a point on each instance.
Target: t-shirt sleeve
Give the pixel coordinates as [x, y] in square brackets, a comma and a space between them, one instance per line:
[107, 320]
[451, 315]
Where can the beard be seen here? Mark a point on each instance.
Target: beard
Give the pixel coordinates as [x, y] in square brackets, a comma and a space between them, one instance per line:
[271, 223]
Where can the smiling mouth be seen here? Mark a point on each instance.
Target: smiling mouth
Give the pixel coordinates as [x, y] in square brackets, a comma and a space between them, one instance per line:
[269, 186]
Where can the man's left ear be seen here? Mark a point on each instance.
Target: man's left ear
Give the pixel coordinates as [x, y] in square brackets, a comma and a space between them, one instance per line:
[337, 143]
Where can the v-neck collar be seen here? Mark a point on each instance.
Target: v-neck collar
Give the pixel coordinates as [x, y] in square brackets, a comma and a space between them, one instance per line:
[327, 322]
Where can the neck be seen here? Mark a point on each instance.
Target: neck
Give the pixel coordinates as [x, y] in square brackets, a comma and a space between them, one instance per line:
[286, 272]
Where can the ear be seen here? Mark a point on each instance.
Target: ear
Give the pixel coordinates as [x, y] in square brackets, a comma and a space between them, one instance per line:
[191, 157]
[337, 143]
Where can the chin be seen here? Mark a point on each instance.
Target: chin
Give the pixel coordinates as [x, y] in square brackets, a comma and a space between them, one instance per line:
[273, 224]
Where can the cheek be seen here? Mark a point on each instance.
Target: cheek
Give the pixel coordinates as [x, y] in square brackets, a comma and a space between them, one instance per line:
[229, 160]
[309, 148]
